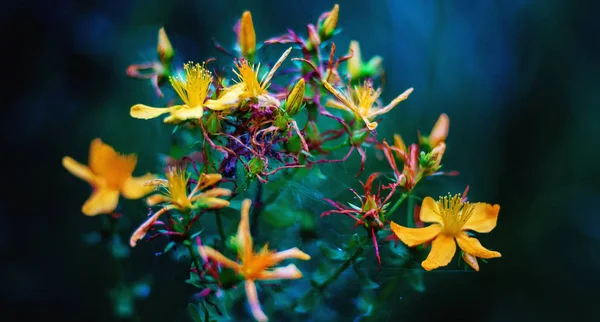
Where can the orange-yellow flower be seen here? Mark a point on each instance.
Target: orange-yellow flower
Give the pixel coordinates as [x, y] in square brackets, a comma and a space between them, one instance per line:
[246, 35]
[193, 91]
[451, 218]
[363, 102]
[254, 266]
[110, 174]
[175, 196]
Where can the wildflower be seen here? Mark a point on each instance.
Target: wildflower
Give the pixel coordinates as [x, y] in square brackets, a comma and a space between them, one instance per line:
[193, 91]
[110, 174]
[175, 196]
[438, 133]
[246, 35]
[451, 218]
[362, 101]
[328, 22]
[255, 266]
[357, 68]
[249, 86]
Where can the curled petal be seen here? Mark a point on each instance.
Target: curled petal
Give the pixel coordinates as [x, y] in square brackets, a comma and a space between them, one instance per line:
[443, 248]
[79, 170]
[471, 260]
[155, 199]
[141, 231]
[252, 295]
[290, 253]
[102, 201]
[415, 236]
[208, 252]
[157, 183]
[430, 211]
[135, 187]
[392, 104]
[144, 112]
[229, 98]
[290, 272]
[484, 218]
[182, 113]
[473, 246]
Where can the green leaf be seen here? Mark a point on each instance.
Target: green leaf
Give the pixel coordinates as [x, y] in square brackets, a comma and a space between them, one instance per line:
[335, 254]
[169, 246]
[194, 313]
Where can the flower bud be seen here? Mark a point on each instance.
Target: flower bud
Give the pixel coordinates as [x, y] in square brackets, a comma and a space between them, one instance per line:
[327, 27]
[439, 132]
[295, 100]
[314, 41]
[164, 48]
[436, 155]
[357, 68]
[246, 35]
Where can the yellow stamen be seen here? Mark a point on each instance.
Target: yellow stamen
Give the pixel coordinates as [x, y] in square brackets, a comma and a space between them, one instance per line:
[194, 89]
[177, 187]
[454, 213]
[249, 77]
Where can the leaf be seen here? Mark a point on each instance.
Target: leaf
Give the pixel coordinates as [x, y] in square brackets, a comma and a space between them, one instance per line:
[194, 313]
[169, 246]
[280, 217]
[335, 254]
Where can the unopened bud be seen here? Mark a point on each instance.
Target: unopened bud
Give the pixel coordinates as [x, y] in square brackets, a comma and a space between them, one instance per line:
[436, 155]
[327, 28]
[164, 48]
[295, 100]
[439, 132]
[355, 62]
[246, 35]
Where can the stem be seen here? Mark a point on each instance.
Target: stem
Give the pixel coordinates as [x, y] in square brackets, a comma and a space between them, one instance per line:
[188, 243]
[410, 219]
[256, 210]
[398, 203]
[220, 227]
[316, 287]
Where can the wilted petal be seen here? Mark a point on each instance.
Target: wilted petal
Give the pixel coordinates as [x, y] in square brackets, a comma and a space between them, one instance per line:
[473, 246]
[102, 201]
[415, 236]
[281, 273]
[484, 218]
[443, 248]
[141, 231]
[471, 261]
[155, 199]
[252, 295]
[135, 187]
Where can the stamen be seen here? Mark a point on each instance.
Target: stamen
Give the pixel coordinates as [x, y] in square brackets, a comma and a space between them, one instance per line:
[194, 89]
[454, 213]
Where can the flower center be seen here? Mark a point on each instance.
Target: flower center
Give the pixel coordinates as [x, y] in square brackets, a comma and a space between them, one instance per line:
[177, 188]
[454, 213]
[365, 97]
[249, 77]
[194, 89]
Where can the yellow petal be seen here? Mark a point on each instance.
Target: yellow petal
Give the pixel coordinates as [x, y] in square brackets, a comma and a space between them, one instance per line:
[471, 260]
[439, 132]
[399, 143]
[392, 104]
[210, 203]
[216, 192]
[184, 113]
[144, 112]
[290, 253]
[141, 231]
[208, 252]
[340, 96]
[430, 212]
[415, 236]
[252, 295]
[355, 62]
[135, 187]
[207, 180]
[290, 272]
[473, 246]
[229, 98]
[484, 218]
[102, 201]
[113, 167]
[336, 104]
[156, 199]
[442, 251]
[243, 234]
[79, 170]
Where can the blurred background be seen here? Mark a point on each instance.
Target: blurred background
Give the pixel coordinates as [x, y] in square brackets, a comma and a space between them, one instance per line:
[519, 80]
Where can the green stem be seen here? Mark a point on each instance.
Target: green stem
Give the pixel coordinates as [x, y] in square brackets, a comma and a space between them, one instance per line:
[316, 287]
[410, 219]
[188, 243]
[398, 203]
[220, 227]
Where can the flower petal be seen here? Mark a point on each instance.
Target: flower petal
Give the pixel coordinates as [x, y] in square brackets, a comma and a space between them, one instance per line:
[102, 201]
[290, 253]
[415, 236]
[155, 199]
[484, 218]
[144, 112]
[229, 98]
[107, 163]
[442, 251]
[217, 192]
[79, 170]
[252, 295]
[471, 260]
[135, 187]
[439, 132]
[183, 113]
[209, 202]
[290, 272]
[473, 246]
[430, 211]
[208, 252]
[141, 231]
[392, 104]
[243, 234]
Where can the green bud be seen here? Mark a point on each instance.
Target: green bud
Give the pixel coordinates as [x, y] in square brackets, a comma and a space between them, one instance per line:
[164, 48]
[358, 137]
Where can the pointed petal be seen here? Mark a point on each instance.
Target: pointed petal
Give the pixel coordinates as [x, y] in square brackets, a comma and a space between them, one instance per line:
[210, 202]
[208, 252]
[229, 98]
[473, 246]
[136, 187]
[252, 295]
[141, 231]
[354, 65]
[290, 253]
[207, 180]
[184, 113]
[216, 192]
[415, 236]
[155, 199]
[442, 251]
[243, 234]
[102, 201]
[430, 211]
[439, 132]
[267, 78]
[336, 104]
[392, 104]
[79, 170]
[290, 272]
[144, 112]
[471, 260]
[341, 97]
[484, 218]
[399, 143]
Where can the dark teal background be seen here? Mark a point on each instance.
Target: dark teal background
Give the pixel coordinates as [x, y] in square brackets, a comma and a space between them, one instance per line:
[519, 80]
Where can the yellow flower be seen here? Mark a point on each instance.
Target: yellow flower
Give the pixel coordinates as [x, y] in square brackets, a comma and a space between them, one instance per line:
[357, 68]
[193, 91]
[175, 196]
[255, 266]
[110, 174]
[246, 35]
[250, 87]
[363, 102]
[451, 218]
